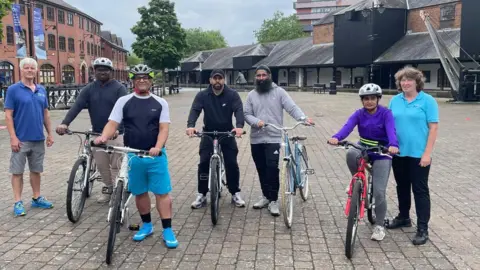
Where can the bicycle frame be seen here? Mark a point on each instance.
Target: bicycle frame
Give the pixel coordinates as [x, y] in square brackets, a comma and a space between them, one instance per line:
[85, 151]
[217, 154]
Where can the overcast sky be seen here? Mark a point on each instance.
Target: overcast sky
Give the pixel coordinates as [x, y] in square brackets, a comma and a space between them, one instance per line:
[236, 19]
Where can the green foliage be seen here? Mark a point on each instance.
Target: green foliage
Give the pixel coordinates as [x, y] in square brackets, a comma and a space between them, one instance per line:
[160, 41]
[202, 40]
[279, 28]
[133, 60]
[5, 7]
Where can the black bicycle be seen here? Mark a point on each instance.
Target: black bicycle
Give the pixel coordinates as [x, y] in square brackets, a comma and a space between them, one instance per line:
[216, 175]
[82, 176]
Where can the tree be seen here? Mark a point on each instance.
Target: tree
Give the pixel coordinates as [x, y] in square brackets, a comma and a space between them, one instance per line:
[5, 7]
[279, 28]
[133, 60]
[202, 40]
[161, 41]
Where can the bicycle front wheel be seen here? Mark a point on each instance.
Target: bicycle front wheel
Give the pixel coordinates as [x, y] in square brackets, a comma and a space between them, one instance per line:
[76, 191]
[286, 192]
[91, 172]
[214, 190]
[353, 218]
[304, 167]
[115, 218]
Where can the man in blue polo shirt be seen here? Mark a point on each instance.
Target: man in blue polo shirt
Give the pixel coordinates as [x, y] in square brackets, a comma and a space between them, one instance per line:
[26, 113]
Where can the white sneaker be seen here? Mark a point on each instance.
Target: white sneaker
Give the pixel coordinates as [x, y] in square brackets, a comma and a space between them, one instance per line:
[378, 233]
[262, 203]
[200, 201]
[273, 208]
[237, 200]
[103, 198]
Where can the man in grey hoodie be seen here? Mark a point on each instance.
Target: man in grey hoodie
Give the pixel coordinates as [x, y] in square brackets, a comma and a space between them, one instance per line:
[265, 104]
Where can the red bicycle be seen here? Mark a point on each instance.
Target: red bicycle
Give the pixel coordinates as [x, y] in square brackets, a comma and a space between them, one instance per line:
[360, 192]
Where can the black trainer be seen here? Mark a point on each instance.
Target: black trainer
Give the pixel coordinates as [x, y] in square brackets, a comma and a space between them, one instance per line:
[420, 238]
[398, 222]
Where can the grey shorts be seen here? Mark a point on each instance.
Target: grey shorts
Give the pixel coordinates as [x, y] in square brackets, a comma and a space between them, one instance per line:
[34, 152]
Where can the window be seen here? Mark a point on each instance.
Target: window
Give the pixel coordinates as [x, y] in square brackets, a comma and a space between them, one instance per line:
[10, 40]
[80, 22]
[6, 73]
[447, 16]
[91, 48]
[68, 75]
[61, 16]
[70, 19]
[82, 46]
[71, 45]
[47, 74]
[88, 48]
[51, 42]
[338, 77]
[50, 14]
[88, 25]
[61, 44]
[442, 79]
[427, 75]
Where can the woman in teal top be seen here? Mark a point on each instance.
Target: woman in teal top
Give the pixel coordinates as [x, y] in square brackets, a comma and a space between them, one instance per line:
[416, 121]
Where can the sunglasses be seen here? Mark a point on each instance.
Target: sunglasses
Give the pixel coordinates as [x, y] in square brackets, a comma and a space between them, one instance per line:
[142, 77]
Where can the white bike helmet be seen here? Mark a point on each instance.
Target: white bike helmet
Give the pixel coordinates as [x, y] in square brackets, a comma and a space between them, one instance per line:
[102, 61]
[370, 89]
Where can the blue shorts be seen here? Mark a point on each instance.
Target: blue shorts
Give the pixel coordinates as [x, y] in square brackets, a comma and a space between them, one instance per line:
[149, 174]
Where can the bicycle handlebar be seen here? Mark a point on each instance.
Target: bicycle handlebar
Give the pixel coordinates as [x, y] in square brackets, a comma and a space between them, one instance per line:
[218, 133]
[287, 128]
[71, 132]
[380, 149]
[111, 148]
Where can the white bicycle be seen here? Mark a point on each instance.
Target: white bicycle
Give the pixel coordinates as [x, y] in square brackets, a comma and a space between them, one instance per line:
[118, 212]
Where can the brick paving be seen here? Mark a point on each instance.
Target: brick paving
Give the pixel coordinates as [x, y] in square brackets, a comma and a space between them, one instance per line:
[252, 239]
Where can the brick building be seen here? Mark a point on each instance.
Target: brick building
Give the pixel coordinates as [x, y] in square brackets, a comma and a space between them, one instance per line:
[72, 42]
[365, 42]
[112, 48]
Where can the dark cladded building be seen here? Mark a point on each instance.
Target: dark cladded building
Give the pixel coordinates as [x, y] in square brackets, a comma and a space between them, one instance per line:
[353, 45]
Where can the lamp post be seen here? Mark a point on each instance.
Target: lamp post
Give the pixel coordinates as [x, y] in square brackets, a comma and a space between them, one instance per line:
[31, 47]
[200, 75]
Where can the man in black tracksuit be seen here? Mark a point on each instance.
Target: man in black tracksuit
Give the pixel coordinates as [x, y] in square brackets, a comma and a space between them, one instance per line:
[218, 103]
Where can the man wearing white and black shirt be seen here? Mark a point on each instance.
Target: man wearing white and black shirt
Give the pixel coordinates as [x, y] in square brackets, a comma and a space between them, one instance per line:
[146, 120]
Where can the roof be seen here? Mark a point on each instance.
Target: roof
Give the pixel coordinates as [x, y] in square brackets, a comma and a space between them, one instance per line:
[419, 46]
[198, 57]
[67, 6]
[113, 40]
[366, 4]
[425, 3]
[321, 54]
[329, 17]
[223, 58]
[258, 50]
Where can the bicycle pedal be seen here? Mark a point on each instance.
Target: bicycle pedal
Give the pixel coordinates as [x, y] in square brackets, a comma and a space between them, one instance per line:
[134, 227]
[107, 190]
[310, 171]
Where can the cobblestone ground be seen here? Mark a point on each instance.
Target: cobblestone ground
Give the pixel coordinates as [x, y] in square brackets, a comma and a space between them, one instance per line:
[252, 239]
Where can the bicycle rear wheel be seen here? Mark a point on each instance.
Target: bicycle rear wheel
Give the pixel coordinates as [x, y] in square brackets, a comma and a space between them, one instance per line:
[353, 218]
[304, 167]
[114, 221]
[214, 190]
[76, 188]
[286, 192]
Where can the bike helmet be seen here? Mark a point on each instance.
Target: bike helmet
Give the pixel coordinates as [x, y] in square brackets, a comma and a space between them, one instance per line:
[141, 69]
[102, 61]
[370, 89]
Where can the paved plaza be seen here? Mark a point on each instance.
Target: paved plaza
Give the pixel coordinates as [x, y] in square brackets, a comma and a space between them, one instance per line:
[246, 238]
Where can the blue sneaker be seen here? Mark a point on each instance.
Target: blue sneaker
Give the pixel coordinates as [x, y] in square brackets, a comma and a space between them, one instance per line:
[144, 232]
[19, 209]
[41, 202]
[169, 238]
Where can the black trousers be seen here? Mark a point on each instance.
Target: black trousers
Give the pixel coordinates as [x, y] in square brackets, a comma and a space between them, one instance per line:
[232, 172]
[409, 176]
[266, 157]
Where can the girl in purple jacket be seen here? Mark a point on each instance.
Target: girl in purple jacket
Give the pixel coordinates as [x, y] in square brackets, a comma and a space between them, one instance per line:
[375, 127]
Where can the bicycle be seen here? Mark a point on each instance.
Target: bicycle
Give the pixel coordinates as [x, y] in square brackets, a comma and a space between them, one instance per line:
[84, 183]
[296, 168]
[118, 212]
[217, 170]
[360, 192]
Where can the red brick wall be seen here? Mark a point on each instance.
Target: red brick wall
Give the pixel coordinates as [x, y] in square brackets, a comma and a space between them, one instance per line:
[118, 58]
[416, 24]
[323, 33]
[58, 59]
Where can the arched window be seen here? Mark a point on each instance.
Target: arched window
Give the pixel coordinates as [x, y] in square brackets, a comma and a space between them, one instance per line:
[68, 75]
[6, 73]
[47, 74]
